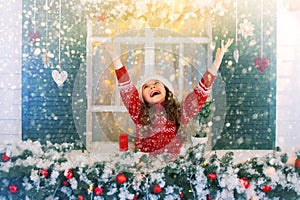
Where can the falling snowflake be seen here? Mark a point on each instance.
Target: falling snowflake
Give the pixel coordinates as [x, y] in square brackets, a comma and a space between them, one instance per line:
[246, 28]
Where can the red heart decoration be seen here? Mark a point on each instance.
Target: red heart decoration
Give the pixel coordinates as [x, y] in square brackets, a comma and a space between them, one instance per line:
[34, 36]
[261, 63]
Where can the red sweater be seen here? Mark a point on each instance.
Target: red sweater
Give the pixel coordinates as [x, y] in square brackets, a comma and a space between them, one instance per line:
[162, 135]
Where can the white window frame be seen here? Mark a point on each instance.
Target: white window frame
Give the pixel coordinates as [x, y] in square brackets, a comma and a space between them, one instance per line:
[149, 40]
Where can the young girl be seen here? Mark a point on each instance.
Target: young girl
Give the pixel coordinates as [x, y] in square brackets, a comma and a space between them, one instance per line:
[154, 109]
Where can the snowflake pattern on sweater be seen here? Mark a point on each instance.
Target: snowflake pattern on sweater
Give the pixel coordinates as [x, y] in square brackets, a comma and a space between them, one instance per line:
[161, 136]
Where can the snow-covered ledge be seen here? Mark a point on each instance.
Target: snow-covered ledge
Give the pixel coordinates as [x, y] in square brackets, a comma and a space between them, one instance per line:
[109, 149]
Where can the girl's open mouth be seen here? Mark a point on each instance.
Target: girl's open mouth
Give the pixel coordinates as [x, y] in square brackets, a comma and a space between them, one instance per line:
[152, 94]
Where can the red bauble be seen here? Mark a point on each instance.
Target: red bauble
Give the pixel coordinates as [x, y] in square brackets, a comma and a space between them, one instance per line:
[245, 182]
[66, 183]
[80, 197]
[157, 189]
[98, 191]
[44, 173]
[297, 163]
[135, 197]
[5, 157]
[181, 194]
[212, 176]
[69, 174]
[121, 178]
[208, 197]
[13, 189]
[266, 188]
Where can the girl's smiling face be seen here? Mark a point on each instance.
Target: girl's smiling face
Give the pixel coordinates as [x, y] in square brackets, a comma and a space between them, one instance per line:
[153, 92]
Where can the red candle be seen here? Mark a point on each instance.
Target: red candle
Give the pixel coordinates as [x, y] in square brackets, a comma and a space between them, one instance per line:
[123, 142]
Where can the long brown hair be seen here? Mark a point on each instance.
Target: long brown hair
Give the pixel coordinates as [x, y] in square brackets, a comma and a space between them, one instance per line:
[172, 107]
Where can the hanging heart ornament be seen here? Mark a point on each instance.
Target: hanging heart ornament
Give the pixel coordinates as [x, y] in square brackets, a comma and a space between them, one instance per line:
[59, 77]
[261, 63]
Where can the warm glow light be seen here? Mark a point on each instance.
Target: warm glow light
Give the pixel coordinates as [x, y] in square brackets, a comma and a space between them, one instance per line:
[107, 82]
[108, 31]
[91, 187]
[270, 171]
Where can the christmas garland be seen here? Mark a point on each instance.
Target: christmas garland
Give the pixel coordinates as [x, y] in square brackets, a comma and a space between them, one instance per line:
[33, 171]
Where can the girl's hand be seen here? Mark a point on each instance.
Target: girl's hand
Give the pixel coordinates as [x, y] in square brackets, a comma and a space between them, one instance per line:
[111, 50]
[221, 51]
[219, 56]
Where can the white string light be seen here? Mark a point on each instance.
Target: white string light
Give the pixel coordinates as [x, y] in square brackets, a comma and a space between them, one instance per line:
[236, 21]
[59, 75]
[262, 28]
[47, 8]
[47, 55]
[59, 37]
[34, 15]
[236, 51]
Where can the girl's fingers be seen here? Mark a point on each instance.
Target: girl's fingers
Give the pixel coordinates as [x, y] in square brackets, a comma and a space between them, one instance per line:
[229, 42]
[225, 47]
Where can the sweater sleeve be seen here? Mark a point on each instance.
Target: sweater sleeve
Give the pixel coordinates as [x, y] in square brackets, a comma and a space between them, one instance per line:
[196, 99]
[122, 76]
[129, 94]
